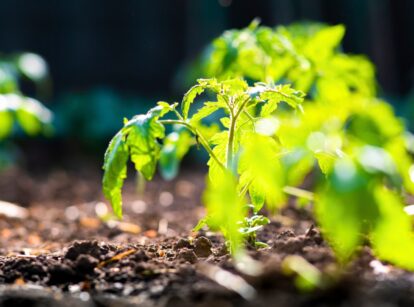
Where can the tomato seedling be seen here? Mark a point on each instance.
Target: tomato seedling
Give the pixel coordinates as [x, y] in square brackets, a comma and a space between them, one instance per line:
[244, 156]
[359, 144]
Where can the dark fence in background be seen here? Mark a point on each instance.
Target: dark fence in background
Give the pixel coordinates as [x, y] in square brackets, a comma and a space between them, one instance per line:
[138, 45]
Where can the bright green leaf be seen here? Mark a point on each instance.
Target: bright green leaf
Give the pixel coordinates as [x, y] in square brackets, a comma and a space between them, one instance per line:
[225, 209]
[392, 236]
[175, 146]
[115, 167]
[260, 169]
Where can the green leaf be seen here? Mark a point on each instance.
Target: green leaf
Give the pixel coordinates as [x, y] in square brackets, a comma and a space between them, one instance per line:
[32, 116]
[201, 223]
[219, 140]
[206, 110]
[346, 209]
[138, 141]
[142, 133]
[189, 98]
[258, 220]
[392, 237]
[273, 96]
[257, 197]
[115, 167]
[196, 90]
[175, 146]
[29, 122]
[297, 164]
[6, 123]
[225, 209]
[322, 44]
[326, 161]
[260, 170]
[164, 107]
[307, 278]
[234, 86]
[225, 121]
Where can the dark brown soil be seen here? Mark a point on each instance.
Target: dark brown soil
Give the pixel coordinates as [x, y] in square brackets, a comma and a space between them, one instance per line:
[69, 251]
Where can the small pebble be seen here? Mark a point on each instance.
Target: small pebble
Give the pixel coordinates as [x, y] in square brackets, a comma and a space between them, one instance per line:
[188, 255]
[182, 243]
[202, 247]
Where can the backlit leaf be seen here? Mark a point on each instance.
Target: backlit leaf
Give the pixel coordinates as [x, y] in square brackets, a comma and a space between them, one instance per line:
[392, 236]
[115, 167]
[225, 209]
[175, 146]
[196, 90]
[260, 170]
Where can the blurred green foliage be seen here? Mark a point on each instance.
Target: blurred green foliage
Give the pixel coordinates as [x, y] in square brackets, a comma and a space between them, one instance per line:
[90, 117]
[261, 150]
[18, 112]
[353, 137]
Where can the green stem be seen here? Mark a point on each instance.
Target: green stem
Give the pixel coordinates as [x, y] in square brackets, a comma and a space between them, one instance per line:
[301, 193]
[200, 137]
[242, 105]
[230, 143]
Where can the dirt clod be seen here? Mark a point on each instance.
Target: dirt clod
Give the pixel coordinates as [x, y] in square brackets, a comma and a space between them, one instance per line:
[60, 273]
[187, 254]
[85, 263]
[290, 246]
[202, 247]
[92, 248]
[182, 243]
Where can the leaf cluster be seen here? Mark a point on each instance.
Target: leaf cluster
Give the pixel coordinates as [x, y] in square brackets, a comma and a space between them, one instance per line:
[244, 155]
[15, 108]
[353, 138]
[260, 150]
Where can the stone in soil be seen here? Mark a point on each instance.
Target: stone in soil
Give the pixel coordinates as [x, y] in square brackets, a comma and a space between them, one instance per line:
[187, 254]
[93, 248]
[202, 247]
[85, 264]
[182, 243]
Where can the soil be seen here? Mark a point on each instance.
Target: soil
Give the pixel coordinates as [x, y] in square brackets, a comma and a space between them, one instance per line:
[67, 250]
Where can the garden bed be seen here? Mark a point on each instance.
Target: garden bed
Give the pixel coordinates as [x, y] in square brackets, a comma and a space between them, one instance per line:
[63, 249]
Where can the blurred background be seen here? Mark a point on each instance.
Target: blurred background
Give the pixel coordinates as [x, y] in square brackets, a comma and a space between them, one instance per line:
[112, 59]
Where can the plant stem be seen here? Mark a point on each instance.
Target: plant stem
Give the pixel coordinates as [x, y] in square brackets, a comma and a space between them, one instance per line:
[230, 143]
[242, 105]
[200, 137]
[301, 193]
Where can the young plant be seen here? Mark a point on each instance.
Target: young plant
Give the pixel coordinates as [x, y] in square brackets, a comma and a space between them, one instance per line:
[28, 113]
[17, 110]
[358, 143]
[244, 156]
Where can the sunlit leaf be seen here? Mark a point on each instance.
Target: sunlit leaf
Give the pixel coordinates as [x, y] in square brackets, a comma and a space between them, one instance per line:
[115, 166]
[392, 236]
[207, 109]
[137, 141]
[346, 209]
[260, 170]
[323, 42]
[278, 94]
[225, 209]
[175, 146]
[219, 141]
[6, 120]
[196, 90]
[142, 133]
